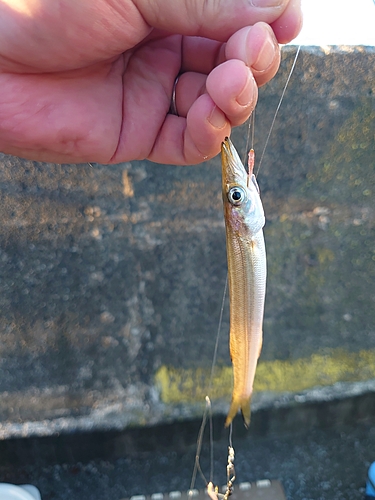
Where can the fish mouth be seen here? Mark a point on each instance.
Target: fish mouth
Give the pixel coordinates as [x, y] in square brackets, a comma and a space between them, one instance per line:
[227, 147]
[233, 169]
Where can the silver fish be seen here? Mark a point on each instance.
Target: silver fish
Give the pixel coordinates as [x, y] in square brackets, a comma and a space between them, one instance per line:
[247, 270]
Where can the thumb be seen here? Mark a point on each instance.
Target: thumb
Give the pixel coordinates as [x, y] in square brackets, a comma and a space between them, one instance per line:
[215, 19]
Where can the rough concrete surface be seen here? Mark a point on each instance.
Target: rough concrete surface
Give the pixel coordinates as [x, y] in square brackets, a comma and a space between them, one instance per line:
[319, 452]
[110, 274]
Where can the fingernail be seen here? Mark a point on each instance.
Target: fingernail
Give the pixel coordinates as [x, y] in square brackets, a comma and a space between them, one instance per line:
[266, 3]
[217, 118]
[265, 57]
[247, 94]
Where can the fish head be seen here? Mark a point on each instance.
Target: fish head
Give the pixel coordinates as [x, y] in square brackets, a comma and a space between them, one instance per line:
[243, 207]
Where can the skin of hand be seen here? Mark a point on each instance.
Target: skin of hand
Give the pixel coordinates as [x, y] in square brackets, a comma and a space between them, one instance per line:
[92, 80]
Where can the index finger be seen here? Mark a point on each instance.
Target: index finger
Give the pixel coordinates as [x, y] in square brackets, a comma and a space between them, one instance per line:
[255, 45]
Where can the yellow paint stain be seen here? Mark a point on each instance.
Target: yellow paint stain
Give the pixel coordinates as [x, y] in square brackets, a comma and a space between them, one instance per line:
[190, 385]
[127, 185]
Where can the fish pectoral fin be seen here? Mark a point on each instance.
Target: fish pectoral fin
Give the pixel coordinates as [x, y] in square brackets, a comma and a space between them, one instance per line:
[242, 404]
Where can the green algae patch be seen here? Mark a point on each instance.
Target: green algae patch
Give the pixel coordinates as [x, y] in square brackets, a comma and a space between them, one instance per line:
[191, 385]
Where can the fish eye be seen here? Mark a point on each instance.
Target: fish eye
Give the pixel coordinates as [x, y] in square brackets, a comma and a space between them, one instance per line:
[236, 196]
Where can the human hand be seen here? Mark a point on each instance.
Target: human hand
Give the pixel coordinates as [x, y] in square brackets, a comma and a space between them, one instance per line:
[92, 80]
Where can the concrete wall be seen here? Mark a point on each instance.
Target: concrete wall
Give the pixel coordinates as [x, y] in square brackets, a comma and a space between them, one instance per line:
[111, 277]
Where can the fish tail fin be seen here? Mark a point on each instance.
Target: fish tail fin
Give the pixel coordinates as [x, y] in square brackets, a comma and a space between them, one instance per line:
[242, 404]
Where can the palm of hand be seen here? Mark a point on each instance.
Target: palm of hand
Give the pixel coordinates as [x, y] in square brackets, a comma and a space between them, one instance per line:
[79, 115]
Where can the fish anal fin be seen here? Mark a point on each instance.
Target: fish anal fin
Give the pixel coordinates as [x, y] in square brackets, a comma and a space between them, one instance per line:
[260, 346]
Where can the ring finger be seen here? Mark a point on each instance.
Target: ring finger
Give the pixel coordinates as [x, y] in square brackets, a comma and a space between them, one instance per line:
[188, 87]
[230, 85]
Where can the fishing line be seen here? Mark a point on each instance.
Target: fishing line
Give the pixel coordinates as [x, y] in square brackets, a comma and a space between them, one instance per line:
[278, 108]
[208, 409]
[250, 131]
[197, 467]
[218, 336]
[230, 435]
